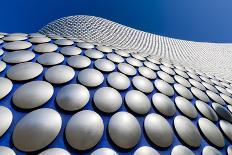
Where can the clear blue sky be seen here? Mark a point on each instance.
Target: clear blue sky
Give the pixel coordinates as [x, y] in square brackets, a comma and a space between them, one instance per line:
[198, 20]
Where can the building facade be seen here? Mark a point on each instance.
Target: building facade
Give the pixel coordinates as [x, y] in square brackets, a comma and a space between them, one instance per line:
[87, 85]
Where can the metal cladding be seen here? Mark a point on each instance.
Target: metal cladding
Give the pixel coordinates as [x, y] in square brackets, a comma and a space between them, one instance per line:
[84, 130]
[86, 85]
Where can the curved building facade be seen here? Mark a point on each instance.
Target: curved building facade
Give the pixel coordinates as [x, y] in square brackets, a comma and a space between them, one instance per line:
[87, 85]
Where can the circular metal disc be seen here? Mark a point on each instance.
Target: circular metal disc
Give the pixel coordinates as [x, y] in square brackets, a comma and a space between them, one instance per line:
[183, 91]
[45, 48]
[187, 131]
[164, 87]
[194, 76]
[199, 94]
[127, 69]
[197, 84]
[37, 129]
[226, 128]
[147, 72]
[138, 56]
[138, 102]
[18, 56]
[55, 151]
[6, 118]
[5, 87]
[118, 80]
[122, 53]
[215, 97]
[157, 127]
[206, 110]
[181, 150]
[63, 42]
[124, 130]
[1, 52]
[90, 77]
[226, 98]
[115, 58]
[79, 61]
[134, 62]
[49, 59]
[107, 99]
[39, 40]
[72, 97]
[24, 71]
[222, 112]
[167, 70]
[13, 37]
[85, 45]
[210, 87]
[84, 130]
[104, 65]
[181, 73]
[146, 150]
[32, 94]
[209, 150]
[70, 50]
[186, 107]
[182, 81]
[104, 49]
[165, 76]
[143, 84]
[229, 107]
[222, 90]
[2, 66]
[17, 45]
[59, 74]
[163, 104]
[207, 80]
[94, 54]
[104, 151]
[6, 151]
[211, 132]
[151, 65]
[229, 150]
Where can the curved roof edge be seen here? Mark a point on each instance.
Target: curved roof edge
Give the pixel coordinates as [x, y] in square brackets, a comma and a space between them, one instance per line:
[215, 58]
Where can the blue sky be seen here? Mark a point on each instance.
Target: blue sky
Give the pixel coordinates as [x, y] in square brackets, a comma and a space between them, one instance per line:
[198, 20]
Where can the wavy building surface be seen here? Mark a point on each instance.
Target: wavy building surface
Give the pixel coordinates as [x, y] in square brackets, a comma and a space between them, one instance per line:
[87, 85]
[212, 58]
